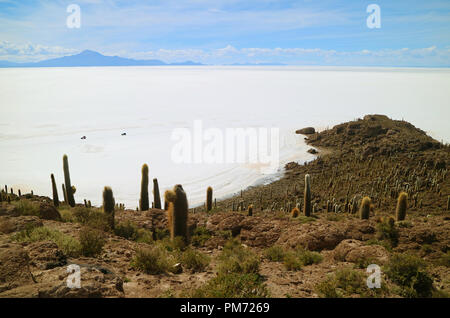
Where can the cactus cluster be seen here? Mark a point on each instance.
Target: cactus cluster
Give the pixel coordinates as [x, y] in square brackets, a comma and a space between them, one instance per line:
[177, 214]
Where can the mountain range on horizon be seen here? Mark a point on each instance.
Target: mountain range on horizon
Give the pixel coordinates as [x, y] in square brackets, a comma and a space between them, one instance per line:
[92, 58]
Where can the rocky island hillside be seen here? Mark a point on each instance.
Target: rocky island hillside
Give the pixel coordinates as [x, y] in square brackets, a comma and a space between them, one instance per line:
[377, 193]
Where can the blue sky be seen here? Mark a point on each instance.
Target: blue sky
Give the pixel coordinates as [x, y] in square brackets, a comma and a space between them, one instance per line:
[300, 32]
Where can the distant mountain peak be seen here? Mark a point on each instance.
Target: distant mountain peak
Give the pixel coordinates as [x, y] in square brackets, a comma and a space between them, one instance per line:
[89, 52]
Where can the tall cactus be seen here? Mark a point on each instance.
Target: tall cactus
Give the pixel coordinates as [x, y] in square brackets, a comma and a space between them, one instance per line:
[108, 205]
[69, 190]
[55, 191]
[64, 193]
[209, 195]
[178, 212]
[364, 211]
[307, 196]
[402, 204]
[156, 196]
[144, 201]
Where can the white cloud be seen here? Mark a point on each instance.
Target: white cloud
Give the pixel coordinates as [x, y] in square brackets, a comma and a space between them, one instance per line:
[29, 52]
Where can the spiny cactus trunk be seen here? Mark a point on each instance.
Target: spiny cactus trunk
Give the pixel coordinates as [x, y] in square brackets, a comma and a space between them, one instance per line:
[64, 193]
[402, 203]
[250, 210]
[364, 211]
[55, 191]
[307, 196]
[144, 201]
[178, 212]
[156, 196]
[69, 193]
[108, 205]
[295, 212]
[448, 203]
[209, 195]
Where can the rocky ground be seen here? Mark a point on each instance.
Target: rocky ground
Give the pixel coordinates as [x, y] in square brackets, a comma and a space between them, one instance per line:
[270, 253]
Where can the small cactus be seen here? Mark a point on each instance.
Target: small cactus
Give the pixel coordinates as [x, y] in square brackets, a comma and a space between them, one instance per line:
[209, 195]
[250, 210]
[307, 196]
[108, 205]
[144, 201]
[402, 203]
[177, 214]
[364, 211]
[295, 212]
[156, 195]
[55, 191]
[69, 193]
[448, 203]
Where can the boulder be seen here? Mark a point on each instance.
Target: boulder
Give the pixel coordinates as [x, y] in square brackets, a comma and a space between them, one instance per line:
[95, 281]
[259, 233]
[48, 212]
[8, 209]
[225, 222]
[354, 251]
[312, 236]
[319, 236]
[15, 224]
[45, 255]
[14, 267]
